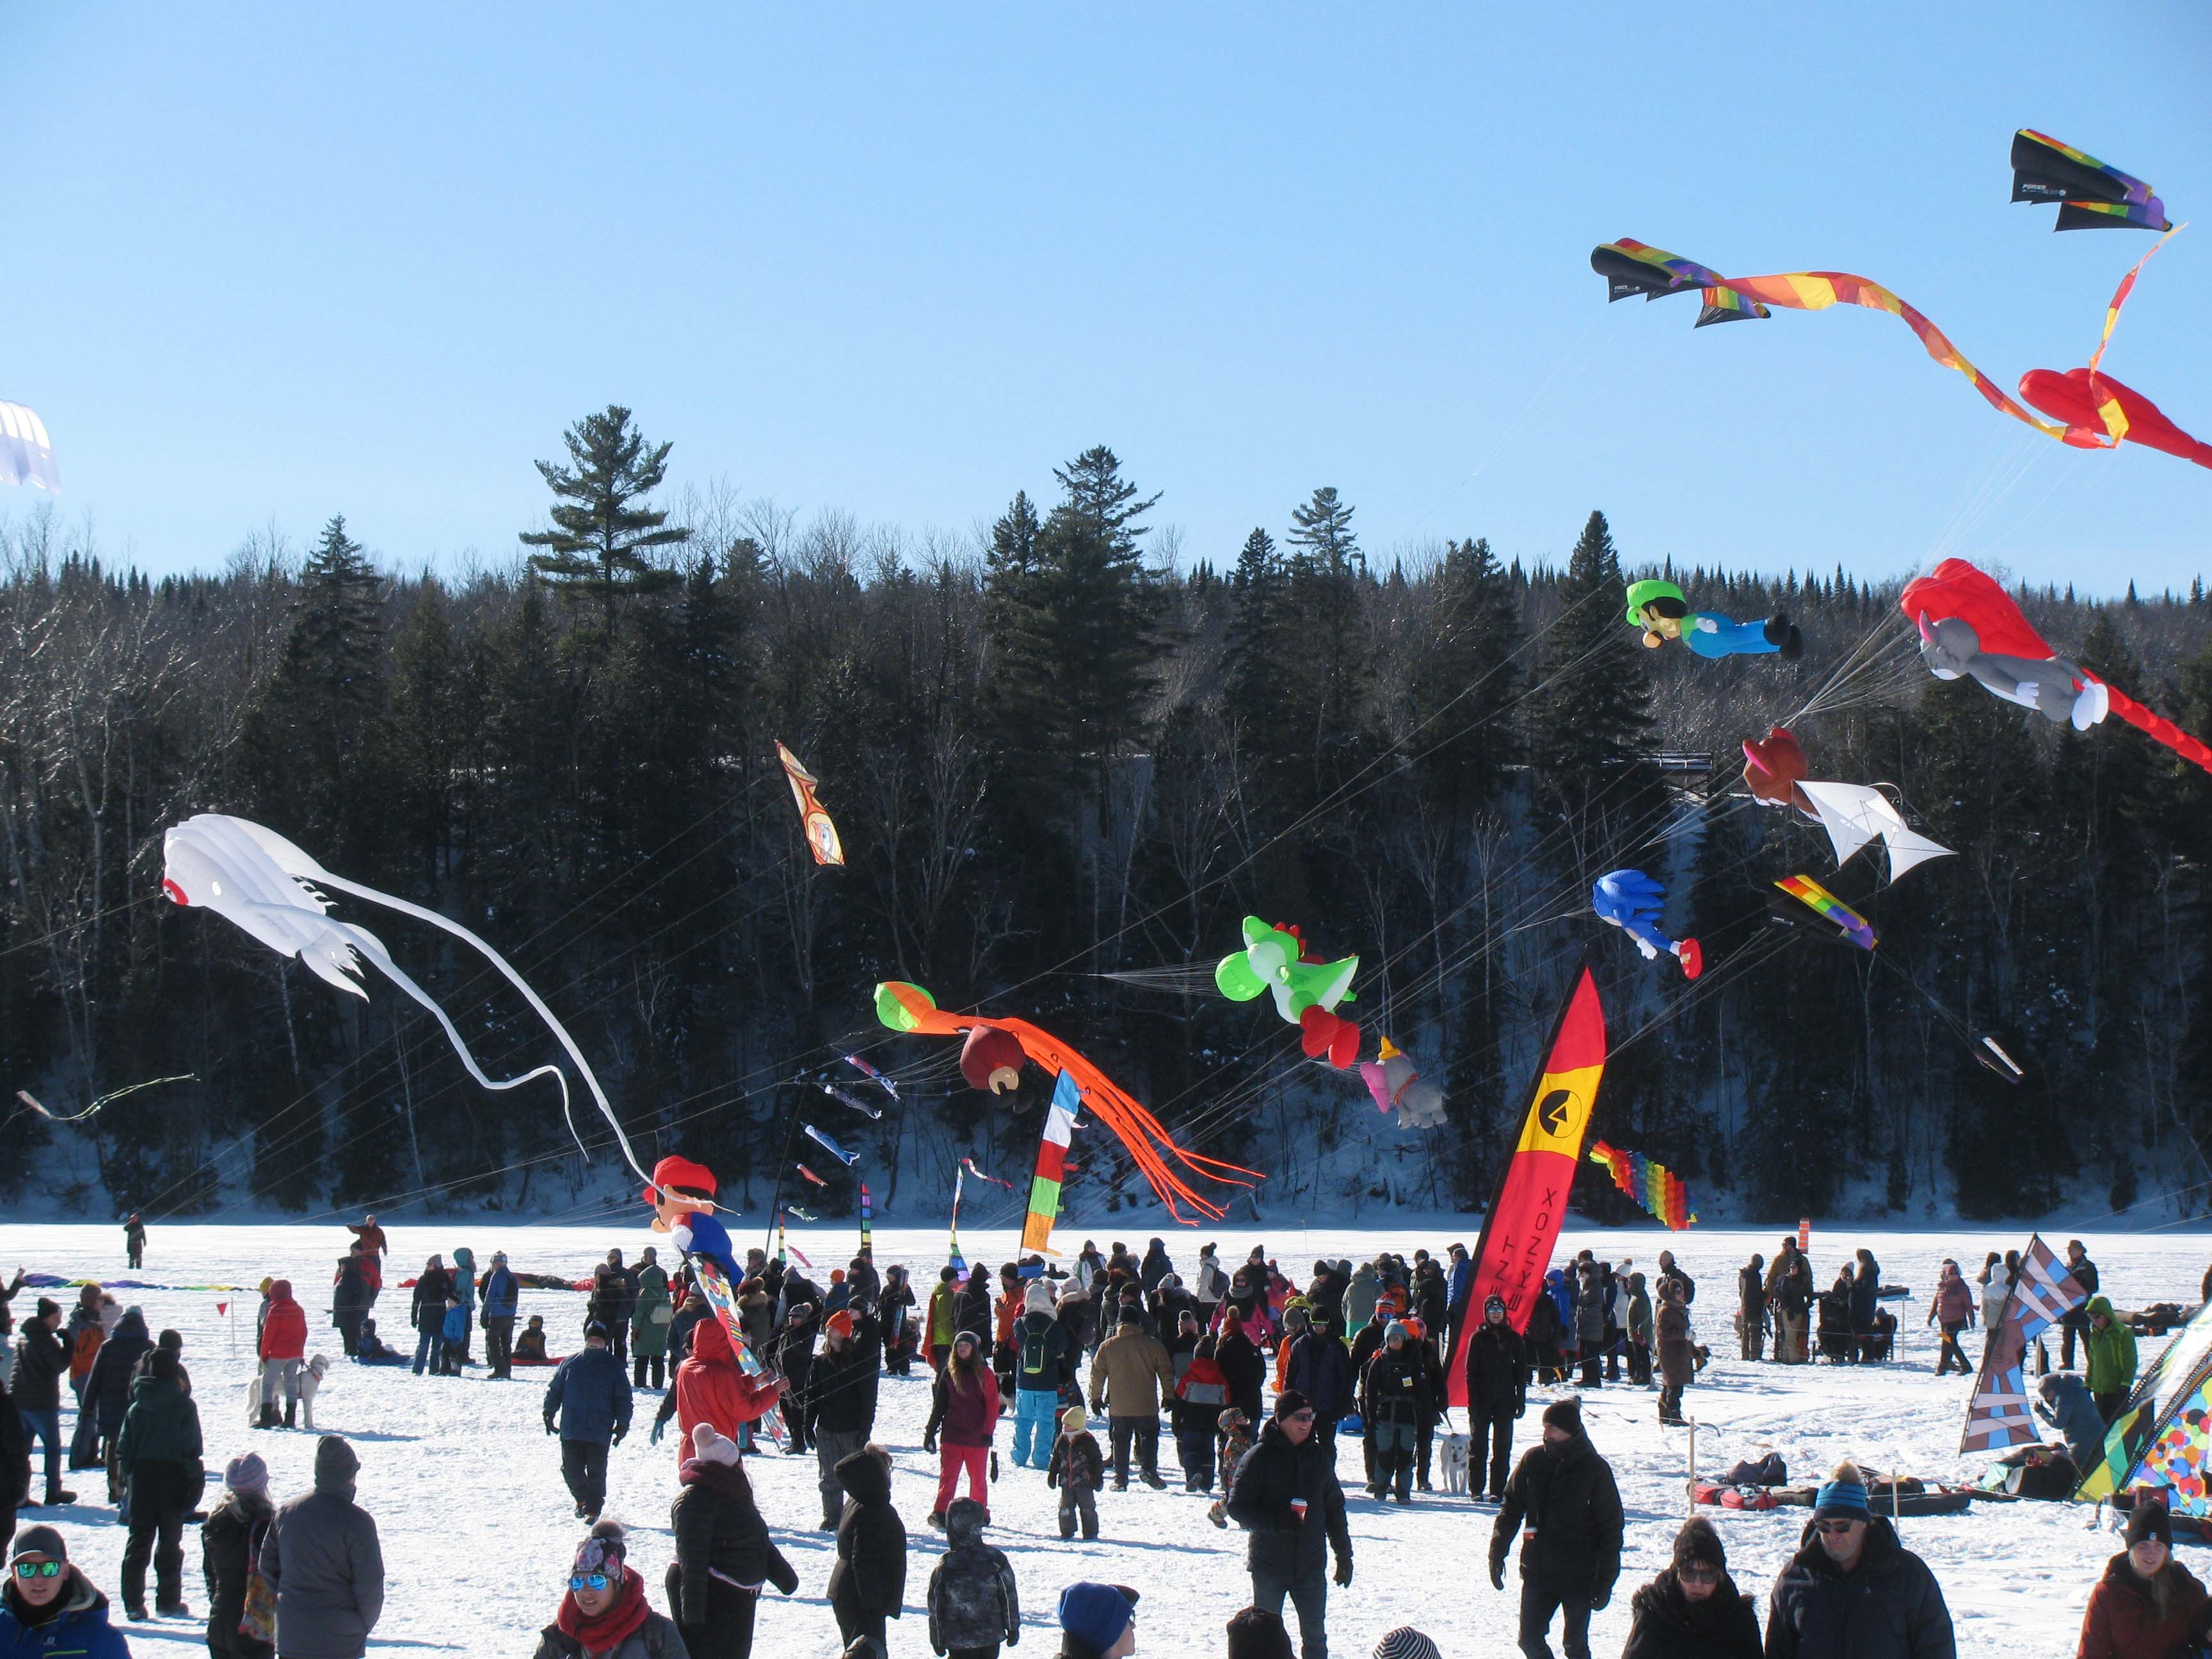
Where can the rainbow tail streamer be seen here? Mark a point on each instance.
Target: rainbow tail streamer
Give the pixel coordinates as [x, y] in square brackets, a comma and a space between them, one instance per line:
[1653, 1185]
[867, 1243]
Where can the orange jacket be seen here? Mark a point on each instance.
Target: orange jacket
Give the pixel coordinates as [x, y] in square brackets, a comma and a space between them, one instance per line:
[712, 1387]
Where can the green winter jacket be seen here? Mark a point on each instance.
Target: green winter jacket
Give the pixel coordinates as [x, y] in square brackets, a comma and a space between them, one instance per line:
[648, 1326]
[162, 1425]
[2111, 1352]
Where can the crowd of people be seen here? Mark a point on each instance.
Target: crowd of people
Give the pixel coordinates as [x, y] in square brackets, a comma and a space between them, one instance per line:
[1257, 1378]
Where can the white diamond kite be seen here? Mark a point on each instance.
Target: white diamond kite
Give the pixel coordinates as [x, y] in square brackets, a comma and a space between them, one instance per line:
[25, 455]
[1854, 814]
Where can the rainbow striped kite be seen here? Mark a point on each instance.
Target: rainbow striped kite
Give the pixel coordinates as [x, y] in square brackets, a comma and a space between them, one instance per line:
[1051, 1165]
[1653, 1185]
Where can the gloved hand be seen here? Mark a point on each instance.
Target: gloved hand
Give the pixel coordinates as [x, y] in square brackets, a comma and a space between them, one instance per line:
[1599, 1597]
[660, 1425]
[929, 1443]
[1344, 1571]
[1498, 1572]
[549, 1422]
[619, 1433]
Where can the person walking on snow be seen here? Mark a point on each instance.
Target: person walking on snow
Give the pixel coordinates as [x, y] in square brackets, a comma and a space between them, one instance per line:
[1077, 1470]
[1852, 1589]
[973, 1604]
[1040, 1367]
[1286, 1495]
[649, 1324]
[1395, 1402]
[1564, 1492]
[1952, 1305]
[590, 1397]
[159, 1452]
[840, 1403]
[1751, 1307]
[1496, 1394]
[964, 1408]
[134, 1240]
[1127, 1376]
[868, 1585]
[427, 1312]
[230, 1548]
[1678, 1353]
[712, 1387]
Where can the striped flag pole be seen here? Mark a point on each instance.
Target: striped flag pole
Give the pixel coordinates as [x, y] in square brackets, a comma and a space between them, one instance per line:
[868, 1245]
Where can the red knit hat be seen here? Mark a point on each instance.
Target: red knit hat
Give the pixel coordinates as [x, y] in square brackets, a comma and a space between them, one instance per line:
[675, 1172]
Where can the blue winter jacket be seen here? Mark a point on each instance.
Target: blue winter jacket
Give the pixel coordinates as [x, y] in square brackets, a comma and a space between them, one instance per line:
[456, 1329]
[2076, 1416]
[80, 1629]
[591, 1392]
[464, 1278]
[503, 1294]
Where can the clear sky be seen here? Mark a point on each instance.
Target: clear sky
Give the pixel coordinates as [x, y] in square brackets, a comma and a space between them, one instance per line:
[268, 263]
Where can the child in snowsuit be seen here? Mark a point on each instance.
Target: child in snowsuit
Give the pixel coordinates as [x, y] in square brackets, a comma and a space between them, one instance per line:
[1078, 1469]
[455, 1335]
[868, 1583]
[1233, 1440]
[1639, 1332]
[1201, 1396]
[972, 1606]
[530, 1346]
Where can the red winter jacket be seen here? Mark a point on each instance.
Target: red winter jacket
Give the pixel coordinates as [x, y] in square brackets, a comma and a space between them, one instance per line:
[2122, 1622]
[712, 1387]
[284, 1329]
[965, 1416]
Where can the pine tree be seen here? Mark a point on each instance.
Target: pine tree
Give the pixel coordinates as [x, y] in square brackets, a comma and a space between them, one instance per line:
[1590, 722]
[1460, 735]
[601, 530]
[1324, 702]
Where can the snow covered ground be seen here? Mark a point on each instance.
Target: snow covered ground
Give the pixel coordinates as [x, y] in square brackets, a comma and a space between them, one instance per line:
[477, 1531]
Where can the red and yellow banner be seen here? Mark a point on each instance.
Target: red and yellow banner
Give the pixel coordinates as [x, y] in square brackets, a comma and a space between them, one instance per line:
[1523, 1223]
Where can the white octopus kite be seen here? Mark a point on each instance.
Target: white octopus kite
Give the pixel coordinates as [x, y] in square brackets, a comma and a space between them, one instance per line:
[256, 879]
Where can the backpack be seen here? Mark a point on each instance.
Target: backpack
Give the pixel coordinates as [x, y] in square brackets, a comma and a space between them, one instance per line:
[1037, 1354]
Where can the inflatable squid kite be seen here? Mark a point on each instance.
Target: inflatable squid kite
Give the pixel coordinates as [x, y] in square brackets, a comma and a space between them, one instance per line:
[260, 881]
[1306, 989]
[1663, 612]
[1971, 626]
[1632, 901]
[905, 1007]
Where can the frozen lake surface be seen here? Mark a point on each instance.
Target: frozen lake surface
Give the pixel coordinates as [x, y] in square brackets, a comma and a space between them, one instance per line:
[477, 1531]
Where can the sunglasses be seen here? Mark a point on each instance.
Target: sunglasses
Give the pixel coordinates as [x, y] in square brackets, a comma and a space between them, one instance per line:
[1699, 1575]
[1837, 1528]
[598, 1581]
[38, 1569]
[1299, 1417]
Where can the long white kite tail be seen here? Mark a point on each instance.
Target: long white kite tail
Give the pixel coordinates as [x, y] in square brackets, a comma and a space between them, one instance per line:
[568, 1043]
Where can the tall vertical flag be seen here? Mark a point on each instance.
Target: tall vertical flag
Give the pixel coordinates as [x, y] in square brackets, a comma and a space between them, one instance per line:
[820, 833]
[1051, 1164]
[2041, 1294]
[867, 1244]
[1524, 1221]
[959, 1179]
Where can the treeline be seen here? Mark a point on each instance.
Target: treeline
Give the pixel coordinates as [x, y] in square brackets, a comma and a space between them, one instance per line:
[1064, 770]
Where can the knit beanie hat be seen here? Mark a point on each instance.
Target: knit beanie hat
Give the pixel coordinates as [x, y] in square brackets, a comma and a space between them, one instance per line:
[1844, 1495]
[1699, 1543]
[1290, 1403]
[1074, 1421]
[1096, 1614]
[2148, 1519]
[709, 1447]
[1564, 1414]
[839, 1323]
[246, 1473]
[1407, 1643]
[1493, 1301]
[48, 1307]
[1038, 1298]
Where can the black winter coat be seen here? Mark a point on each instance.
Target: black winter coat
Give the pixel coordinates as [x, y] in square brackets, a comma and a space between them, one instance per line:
[14, 1455]
[1245, 1370]
[1077, 1464]
[1496, 1374]
[430, 1292]
[108, 1387]
[1891, 1607]
[722, 1547]
[1666, 1626]
[1272, 1473]
[1572, 1510]
[972, 1599]
[841, 1391]
[870, 1576]
[41, 1360]
[1321, 1370]
[1397, 1388]
[229, 1539]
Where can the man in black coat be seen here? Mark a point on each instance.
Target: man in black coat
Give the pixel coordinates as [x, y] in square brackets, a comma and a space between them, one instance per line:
[1395, 1404]
[839, 1409]
[1286, 1497]
[587, 1404]
[1564, 1492]
[1320, 1369]
[1496, 1394]
[2074, 1322]
[1853, 1588]
[41, 1361]
[1751, 1307]
[1245, 1368]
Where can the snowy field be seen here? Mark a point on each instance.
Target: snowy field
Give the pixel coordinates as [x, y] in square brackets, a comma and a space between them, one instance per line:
[466, 1488]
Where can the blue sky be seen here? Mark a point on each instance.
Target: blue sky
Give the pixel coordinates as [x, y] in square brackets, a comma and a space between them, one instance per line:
[269, 263]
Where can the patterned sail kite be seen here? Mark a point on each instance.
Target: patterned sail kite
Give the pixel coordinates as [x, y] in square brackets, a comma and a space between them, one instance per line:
[2163, 1435]
[1522, 1224]
[905, 1007]
[1653, 1185]
[2043, 1294]
[1849, 926]
[2091, 194]
[820, 833]
[1051, 1166]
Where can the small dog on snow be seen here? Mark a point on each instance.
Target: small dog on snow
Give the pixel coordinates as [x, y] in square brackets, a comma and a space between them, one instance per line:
[311, 1383]
[1455, 1462]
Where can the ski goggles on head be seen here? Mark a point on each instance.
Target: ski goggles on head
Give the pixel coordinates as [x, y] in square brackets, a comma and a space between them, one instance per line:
[37, 1568]
[597, 1581]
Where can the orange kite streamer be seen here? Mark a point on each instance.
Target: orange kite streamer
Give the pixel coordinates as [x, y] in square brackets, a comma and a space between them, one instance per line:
[905, 1007]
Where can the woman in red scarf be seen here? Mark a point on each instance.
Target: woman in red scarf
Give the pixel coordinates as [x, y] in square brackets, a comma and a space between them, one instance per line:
[605, 1614]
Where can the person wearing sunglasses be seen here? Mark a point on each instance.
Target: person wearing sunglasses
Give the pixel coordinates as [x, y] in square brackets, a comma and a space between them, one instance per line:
[47, 1606]
[1563, 1504]
[1694, 1610]
[604, 1613]
[1853, 1588]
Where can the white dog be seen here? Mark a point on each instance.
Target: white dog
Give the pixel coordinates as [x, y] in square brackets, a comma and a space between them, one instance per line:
[1455, 1462]
[311, 1383]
